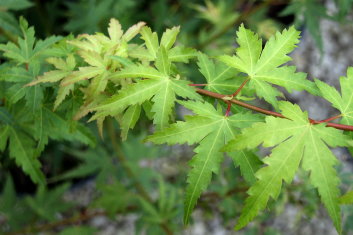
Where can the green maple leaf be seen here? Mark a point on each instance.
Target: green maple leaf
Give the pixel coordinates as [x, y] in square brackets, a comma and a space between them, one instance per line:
[92, 161]
[13, 208]
[8, 21]
[28, 49]
[220, 77]
[129, 120]
[48, 203]
[211, 130]
[113, 44]
[17, 78]
[28, 134]
[262, 66]
[114, 198]
[22, 150]
[48, 124]
[344, 101]
[175, 54]
[64, 68]
[248, 162]
[161, 86]
[97, 67]
[98, 51]
[296, 140]
[58, 127]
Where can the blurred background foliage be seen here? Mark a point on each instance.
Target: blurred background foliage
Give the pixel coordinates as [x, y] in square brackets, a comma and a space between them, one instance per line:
[131, 177]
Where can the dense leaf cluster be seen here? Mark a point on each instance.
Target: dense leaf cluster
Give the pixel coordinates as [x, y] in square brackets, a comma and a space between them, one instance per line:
[47, 86]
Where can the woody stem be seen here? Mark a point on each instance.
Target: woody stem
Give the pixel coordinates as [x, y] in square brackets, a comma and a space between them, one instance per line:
[272, 113]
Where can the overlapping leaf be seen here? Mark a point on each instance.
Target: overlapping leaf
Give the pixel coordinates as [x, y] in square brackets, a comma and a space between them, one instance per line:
[21, 146]
[248, 163]
[52, 125]
[27, 135]
[296, 140]
[12, 207]
[22, 150]
[262, 66]
[115, 44]
[159, 84]
[64, 68]
[220, 77]
[47, 204]
[114, 198]
[8, 21]
[17, 78]
[99, 52]
[175, 54]
[92, 161]
[28, 49]
[210, 129]
[344, 101]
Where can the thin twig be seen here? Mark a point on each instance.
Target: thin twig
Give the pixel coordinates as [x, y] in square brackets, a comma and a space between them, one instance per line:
[234, 95]
[272, 113]
[229, 105]
[330, 119]
[197, 84]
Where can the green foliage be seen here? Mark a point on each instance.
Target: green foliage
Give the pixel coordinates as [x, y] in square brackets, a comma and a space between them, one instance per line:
[114, 198]
[296, 140]
[145, 82]
[166, 209]
[162, 85]
[344, 101]
[8, 21]
[28, 134]
[47, 204]
[219, 77]
[28, 50]
[13, 208]
[90, 164]
[81, 13]
[309, 13]
[261, 66]
[79, 230]
[347, 198]
[211, 130]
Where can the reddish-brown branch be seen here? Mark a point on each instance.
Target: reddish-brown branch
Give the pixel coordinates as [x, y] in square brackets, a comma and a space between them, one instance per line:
[330, 119]
[239, 88]
[234, 101]
[235, 95]
[268, 112]
[197, 84]
[228, 108]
